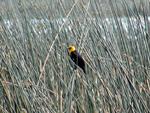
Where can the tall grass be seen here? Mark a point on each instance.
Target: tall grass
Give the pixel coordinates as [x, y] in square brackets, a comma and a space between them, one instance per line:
[35, 72]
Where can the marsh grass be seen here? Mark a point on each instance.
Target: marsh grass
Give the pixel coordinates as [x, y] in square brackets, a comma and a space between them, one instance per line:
[35, 71]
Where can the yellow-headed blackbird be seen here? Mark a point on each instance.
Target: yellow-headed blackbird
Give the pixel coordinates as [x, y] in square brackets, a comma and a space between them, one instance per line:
[76, 57]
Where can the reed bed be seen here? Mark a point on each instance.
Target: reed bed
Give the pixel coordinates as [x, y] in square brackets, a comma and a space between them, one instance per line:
[35, 71]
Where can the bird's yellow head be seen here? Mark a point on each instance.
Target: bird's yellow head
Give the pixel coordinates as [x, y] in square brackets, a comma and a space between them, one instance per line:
[71, 49]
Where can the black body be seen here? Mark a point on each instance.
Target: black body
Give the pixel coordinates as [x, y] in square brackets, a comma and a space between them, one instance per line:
[78, 60]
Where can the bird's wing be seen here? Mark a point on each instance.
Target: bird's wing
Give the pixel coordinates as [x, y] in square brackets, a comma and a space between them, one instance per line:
[72, 62]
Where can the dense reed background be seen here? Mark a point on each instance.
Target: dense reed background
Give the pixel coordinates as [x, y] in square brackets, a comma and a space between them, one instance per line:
[111, 35]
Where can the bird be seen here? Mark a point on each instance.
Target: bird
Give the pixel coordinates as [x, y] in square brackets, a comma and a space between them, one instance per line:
[76, 58]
